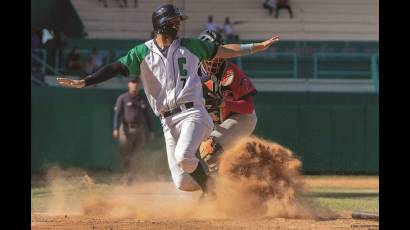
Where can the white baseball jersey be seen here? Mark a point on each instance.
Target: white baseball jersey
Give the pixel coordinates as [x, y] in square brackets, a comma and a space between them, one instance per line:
[170, 80]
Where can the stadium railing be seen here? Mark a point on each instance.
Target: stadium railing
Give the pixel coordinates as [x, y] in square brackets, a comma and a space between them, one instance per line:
[270, 58]
[269, 64]
[372, 59]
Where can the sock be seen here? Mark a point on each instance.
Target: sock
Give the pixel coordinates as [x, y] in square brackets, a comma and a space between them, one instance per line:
[200, 176]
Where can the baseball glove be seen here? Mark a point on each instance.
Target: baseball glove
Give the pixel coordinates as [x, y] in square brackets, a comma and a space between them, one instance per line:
[212, 103]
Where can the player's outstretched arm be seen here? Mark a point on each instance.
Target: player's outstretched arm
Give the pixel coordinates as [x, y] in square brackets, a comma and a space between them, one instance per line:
[237, 50]
[105, 73]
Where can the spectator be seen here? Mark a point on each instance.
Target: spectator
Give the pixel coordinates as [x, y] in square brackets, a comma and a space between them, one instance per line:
[269, 5]
[89, 66]
[55, 48]
[73, 61]
[97, 58]
[36, 63]
[211, 25]
[229, 34]
[283, 4]
[111, 57]
[35, 39]
[46, 36]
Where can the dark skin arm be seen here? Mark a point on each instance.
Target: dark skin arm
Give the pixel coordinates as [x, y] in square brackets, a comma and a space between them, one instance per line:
[105, 73]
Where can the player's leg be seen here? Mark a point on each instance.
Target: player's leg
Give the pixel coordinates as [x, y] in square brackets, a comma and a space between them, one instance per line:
[182, 180]
[235, 127]
[191, 136]
[277, 11]
[290, 11]
[194, 126]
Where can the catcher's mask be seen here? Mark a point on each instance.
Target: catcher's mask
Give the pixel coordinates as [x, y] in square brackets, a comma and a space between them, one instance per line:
[161, 18]
[212, 66]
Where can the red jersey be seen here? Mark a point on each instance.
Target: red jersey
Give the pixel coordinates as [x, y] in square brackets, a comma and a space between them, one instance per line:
[237, 91]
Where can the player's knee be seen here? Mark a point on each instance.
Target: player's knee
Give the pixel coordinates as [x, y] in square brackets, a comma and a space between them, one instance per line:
[188, 165]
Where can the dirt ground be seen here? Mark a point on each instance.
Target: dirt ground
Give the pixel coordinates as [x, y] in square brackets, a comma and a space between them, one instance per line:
[259, 186]
[43, 221]
[168, 217]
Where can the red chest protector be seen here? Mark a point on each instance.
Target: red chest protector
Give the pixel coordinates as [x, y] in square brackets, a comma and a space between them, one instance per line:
[234, 84]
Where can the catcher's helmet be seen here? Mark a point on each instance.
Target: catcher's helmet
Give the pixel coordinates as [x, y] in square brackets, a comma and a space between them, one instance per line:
[211, 36]
[162, 15]
[212, 66]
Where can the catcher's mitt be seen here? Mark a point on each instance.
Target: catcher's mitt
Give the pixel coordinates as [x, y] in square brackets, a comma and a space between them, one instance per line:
[210, 151]
[212, 103]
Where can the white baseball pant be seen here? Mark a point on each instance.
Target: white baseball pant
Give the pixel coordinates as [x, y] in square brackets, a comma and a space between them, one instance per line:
[183, 134]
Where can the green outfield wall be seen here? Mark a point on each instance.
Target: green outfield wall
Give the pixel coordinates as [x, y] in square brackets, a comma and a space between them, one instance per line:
[329, 132]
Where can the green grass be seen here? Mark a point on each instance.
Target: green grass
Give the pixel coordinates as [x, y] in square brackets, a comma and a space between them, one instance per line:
[343, 199]
[349, 204]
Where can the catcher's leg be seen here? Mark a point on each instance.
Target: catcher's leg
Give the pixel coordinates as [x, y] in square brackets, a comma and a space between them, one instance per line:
[225, 136]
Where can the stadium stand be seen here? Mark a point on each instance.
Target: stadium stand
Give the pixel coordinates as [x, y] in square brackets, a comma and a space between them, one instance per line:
[330, 40]
[323, 20]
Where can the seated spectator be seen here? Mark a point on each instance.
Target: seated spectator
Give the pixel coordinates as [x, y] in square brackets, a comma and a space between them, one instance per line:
[35, 39]
[211, 25]
[111, 57]
[89, 66]
[269, 5]
[228, 33]
[46, 35]
[97, 58]
[54, 48]
[73, 60]
[283, 4]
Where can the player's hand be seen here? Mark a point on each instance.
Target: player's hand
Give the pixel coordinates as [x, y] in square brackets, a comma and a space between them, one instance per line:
[212, 95]
[78, 84]
[151, 136]
[214, 117]
[262, 46]
[115, 134]
[228, 98]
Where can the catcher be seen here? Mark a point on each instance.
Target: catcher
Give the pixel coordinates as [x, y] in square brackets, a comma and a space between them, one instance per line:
[228, 96]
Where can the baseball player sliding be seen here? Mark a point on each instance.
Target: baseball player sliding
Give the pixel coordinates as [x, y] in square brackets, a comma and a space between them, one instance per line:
[167, 66]
[228, 96]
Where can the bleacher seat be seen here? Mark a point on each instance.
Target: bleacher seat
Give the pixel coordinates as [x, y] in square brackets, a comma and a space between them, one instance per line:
[353, 20]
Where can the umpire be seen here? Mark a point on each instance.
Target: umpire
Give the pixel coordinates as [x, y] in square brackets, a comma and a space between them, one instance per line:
[131, 108]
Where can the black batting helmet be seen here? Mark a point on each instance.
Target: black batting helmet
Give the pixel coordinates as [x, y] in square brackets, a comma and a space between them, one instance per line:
[162, 15]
